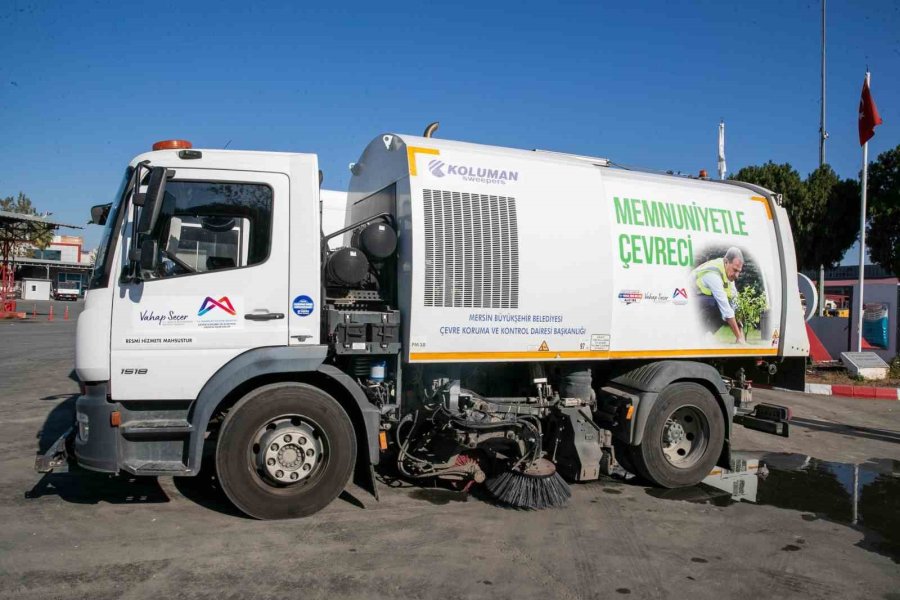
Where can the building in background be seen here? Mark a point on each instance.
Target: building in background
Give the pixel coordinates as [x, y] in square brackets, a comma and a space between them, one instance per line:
[64, 262]
[881, 319]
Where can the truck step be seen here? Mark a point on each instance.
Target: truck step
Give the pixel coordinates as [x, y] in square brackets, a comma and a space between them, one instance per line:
[170, 468]
[156, 428]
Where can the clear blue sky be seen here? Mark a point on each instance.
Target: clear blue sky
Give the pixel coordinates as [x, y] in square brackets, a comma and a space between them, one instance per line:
[86, 86]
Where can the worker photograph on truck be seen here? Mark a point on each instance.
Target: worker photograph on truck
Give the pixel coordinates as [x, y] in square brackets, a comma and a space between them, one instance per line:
[510, 319]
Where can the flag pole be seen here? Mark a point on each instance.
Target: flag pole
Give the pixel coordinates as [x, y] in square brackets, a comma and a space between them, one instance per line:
[862, 237]
[721, 161]
[823, 135]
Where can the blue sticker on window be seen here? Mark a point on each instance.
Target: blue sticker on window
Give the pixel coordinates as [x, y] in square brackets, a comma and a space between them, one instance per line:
[303, 306]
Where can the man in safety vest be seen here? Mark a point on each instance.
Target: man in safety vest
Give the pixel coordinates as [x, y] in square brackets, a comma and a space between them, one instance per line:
[717, 293]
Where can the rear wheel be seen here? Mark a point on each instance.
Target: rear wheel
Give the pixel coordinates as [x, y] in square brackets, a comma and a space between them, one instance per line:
[285, 450]
[683, 437]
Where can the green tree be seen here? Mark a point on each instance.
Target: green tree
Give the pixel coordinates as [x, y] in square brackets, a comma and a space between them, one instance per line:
[820, 209]
[19, 235]
[883, 229]
[833, 214]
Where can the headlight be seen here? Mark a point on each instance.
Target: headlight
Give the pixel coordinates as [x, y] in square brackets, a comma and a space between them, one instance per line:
[84, 427]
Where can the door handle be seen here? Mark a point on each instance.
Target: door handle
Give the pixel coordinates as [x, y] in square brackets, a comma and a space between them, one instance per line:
[263, 316]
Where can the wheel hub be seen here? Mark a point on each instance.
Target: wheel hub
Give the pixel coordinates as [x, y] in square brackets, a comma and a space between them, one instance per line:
[288, 453]
[685, 436]
[674, 432]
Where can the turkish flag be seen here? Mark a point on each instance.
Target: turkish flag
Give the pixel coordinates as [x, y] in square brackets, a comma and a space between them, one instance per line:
[869, 118]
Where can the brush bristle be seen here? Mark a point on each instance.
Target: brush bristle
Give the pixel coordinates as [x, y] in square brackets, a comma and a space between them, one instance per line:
[520, 490]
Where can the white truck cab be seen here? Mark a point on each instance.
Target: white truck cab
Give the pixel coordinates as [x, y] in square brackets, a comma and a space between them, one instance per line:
[222, 283]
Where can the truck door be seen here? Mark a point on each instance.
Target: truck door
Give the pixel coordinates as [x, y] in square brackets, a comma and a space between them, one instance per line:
[220, 289]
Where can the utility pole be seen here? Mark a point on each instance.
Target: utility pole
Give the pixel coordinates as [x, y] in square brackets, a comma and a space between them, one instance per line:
[823, 135]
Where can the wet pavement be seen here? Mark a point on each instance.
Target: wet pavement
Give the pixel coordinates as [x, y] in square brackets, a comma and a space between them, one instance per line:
[863, 496]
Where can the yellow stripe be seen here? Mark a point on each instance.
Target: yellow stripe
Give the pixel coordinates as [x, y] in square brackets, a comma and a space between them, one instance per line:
[604, 354]
[765, 203]
[693, 352]
[411, 152]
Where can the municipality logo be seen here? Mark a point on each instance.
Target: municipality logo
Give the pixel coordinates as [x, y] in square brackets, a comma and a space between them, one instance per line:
[224, 303]
[679, 296]
[436, 167]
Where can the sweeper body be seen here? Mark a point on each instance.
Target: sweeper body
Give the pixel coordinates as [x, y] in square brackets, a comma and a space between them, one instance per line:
[488, 316]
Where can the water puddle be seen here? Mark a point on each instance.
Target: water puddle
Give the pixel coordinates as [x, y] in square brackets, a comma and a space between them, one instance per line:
[864, 496]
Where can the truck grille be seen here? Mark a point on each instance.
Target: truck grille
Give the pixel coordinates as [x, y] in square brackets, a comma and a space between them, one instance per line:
[471, 250]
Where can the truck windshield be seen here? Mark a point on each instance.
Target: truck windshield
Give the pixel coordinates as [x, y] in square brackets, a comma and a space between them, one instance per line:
[100, 274]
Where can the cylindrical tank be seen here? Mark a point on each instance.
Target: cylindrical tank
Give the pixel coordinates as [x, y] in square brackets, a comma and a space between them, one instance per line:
[376, 371]
[377, 240]
[346, 267]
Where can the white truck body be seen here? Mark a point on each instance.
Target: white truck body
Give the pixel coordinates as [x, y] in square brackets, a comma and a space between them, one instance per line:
[518, 255]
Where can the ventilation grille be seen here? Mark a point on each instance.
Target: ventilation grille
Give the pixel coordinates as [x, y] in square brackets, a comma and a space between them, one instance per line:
[471, 250]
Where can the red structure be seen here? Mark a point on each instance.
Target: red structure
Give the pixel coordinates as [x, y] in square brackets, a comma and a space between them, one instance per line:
[7, 289]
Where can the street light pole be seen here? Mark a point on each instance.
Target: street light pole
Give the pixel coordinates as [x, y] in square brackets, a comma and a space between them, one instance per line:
[822, 137]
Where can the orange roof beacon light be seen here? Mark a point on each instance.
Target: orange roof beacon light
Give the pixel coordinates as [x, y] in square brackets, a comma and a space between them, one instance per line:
[172, 145]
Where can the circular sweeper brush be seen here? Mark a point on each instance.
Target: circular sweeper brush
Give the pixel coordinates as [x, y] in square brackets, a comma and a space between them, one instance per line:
[535, 486]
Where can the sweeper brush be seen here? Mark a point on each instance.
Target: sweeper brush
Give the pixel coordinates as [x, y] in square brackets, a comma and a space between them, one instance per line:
[533, 488]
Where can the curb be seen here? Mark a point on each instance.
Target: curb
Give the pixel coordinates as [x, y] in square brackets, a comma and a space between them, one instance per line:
[854, 391]
[859, 392]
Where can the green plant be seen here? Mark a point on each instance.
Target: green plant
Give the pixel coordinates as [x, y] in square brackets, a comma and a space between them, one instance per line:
[749, 306]
[894, 371]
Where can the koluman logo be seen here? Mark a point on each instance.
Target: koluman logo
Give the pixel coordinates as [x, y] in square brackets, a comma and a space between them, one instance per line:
[224, 303]
[436, 167]
[439, 168]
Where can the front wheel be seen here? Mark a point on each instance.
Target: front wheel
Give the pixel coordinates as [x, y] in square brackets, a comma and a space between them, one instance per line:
[285, 450]
[683, 437]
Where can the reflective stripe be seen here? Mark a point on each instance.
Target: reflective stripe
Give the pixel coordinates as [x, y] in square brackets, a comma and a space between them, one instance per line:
[716, 265]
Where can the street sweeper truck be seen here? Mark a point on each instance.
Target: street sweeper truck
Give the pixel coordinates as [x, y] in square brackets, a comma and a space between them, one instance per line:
[520, 320]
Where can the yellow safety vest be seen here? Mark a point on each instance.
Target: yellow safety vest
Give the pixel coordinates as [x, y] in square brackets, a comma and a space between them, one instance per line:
[716, 265]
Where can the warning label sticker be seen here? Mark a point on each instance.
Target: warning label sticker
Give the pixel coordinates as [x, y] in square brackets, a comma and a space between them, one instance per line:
[600, 341]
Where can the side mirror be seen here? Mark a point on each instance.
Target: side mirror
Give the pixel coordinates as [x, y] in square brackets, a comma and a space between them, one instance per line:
[99, 213]
[151, 202]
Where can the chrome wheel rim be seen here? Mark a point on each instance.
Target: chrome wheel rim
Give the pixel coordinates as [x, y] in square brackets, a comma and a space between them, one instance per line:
[288, 450]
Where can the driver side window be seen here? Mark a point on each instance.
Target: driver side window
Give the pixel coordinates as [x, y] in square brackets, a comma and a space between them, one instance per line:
[210, 226]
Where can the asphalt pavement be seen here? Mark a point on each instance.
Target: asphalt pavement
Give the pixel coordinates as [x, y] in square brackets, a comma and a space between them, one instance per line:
[83, 535]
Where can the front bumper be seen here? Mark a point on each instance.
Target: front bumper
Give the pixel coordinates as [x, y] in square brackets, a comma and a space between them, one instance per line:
[96, 440]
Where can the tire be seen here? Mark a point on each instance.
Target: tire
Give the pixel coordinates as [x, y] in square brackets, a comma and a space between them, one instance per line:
[285, 414]
[659, 458]
[623, 457]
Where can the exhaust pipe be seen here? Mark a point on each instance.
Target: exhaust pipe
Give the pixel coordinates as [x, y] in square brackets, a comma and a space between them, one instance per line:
[432, 127]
